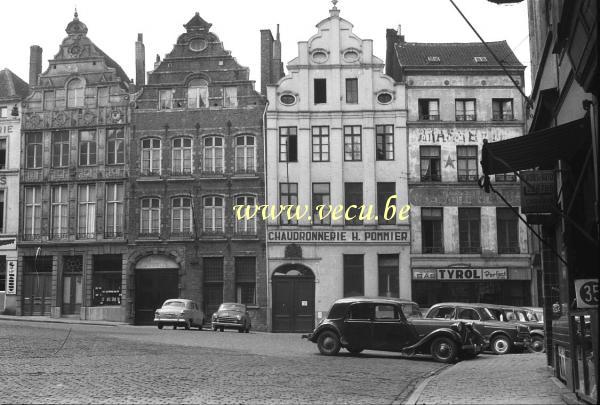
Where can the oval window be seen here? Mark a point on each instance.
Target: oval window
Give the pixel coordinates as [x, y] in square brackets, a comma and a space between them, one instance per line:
[198, 44]
[287, 99]
[384, 98]
[319, 56]
[351, 56]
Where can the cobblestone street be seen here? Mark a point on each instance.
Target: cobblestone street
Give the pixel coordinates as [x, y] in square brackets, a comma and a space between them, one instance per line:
[72, 363]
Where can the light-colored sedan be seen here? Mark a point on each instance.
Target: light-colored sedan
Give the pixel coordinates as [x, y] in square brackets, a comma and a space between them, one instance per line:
[179, 312]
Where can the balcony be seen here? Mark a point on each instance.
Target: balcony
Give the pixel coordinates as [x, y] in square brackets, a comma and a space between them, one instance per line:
[31, 236]
[86, 235]
[429, 117]
[182, 235]
[466, 117]
[59, 236]
[149, 235]
[113, 234]
[503, 116]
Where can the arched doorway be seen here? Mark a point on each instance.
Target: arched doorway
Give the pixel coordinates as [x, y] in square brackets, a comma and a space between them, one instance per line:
[156, 280]
[293, 308]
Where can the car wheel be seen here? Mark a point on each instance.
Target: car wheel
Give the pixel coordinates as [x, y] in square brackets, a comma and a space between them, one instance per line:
[222, 329]
[160, 326]
[328, 343]
[444, 350]
[354, 350]
[500, 345]
[188, 324]
[537, 344]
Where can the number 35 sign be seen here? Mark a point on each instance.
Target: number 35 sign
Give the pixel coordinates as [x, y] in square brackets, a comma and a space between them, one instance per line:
[587, 293]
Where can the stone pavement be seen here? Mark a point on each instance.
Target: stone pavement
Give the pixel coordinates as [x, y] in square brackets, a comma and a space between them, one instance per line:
[521, 378]
[47, 319]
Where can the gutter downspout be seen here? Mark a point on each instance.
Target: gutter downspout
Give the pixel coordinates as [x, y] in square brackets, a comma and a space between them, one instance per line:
[266, 222]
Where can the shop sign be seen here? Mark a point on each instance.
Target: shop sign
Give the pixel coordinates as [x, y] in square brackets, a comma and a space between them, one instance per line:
[397, 236]
[466, 273]
[11, 277]
[586, 293]
[424, 274]
[538, 191]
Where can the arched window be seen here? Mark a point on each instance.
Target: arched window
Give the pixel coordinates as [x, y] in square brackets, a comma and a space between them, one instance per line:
[243, 224]
[150, 217]
[75, 93]
[182, 216]
[198, 93]
[214, 209]
[151, 156]
[245, 152]
[182, 156]
[213, 154]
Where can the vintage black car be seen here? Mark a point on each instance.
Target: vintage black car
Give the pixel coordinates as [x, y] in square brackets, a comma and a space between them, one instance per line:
[359, 323]
[502, 337]
[524, 316]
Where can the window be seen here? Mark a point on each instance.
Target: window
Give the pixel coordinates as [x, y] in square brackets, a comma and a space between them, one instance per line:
[505, 177]
[75, 93]
[352, 143]
[466, 163]
[469, 230]
[33, 150]
[321, 196]
[429, 109]
[33, 213]
[465, 110]
[354, 280]
[362, 311]
[288, 144]
[86, 224]
[181, 216]
[151, 151]
[245, 152]
[165, 99]
[115, 146]
[213, 283]
[60, 149]
[3, 111]
[150, 217]
[430, 163]
[507, 224]
[103, 97]
[2, 153]
[502, 109]
[385, 142]
[230, 97]
[214, 209]
[288, 195]
[213, 154]
[49, 100]
[245, 280]
[3, 286]
[432, 230]
[320, 144]
[384, 192]
[2, 211]
[352, 91]
[385, 311]
[245, 226]
[114, 210]
[198, 94]
[442, 313]
[87, 148]
[106, 280]
[353, 197]
[468, 314]
[182, 156]
[320, 91]
[389, 275]
[60, 214]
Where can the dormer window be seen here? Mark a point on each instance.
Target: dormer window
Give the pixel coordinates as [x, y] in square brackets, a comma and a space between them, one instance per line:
[480, 59]
[75, 92]
[433, 59]
[165, 99]
[198, 94]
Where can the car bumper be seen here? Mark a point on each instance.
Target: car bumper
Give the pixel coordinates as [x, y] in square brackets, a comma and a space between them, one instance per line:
[228, 324]
[170, 321]
[472, 348]
[524, 343]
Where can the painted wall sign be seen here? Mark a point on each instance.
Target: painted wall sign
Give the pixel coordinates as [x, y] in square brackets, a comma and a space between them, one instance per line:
[460, 135]
[586, 293]
[11, 277]
[6, 129]
[424, 274]
[467, 273]
[459, 196]
[538, 191]
[399, 235]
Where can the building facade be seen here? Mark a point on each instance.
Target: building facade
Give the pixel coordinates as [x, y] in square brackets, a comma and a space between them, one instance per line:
[198, 151]
[336, 138]
[73, 185]
[466, 245]
[12, 90]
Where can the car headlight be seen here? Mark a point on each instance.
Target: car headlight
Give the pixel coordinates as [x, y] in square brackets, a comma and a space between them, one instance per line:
[214, 316]
[238, 317]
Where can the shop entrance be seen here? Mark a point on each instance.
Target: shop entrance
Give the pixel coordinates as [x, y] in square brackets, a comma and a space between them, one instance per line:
[37, 285]
[72, 287]
[293, 299]
[156, 280]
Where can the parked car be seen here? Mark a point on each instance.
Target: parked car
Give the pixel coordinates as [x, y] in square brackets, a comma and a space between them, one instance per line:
[360, 323]
[538, 312]
[502, 337]
[523, 316]
[231, 315]
[179, 312]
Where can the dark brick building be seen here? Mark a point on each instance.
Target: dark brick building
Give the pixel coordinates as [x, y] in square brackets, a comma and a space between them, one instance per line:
[73, 183]
[197, 151]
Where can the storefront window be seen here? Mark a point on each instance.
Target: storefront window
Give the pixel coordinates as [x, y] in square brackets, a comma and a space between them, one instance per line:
[389, 284]
[354, 280]
[107, 280]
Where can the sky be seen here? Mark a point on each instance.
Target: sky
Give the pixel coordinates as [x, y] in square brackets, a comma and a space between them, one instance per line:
[113, 25]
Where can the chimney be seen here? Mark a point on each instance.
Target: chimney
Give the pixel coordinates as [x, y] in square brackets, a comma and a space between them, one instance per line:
[276, 65]
[392, 65]
[35, 64]
[157, 62]
[140, 61]
[266, 58]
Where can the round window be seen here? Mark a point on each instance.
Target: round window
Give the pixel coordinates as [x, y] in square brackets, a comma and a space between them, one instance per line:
[319, 56]
[287, 99]
[384, 98]
[351, 56]
[198, 44]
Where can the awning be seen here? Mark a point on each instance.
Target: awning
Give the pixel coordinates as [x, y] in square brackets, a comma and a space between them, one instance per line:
[536, 148]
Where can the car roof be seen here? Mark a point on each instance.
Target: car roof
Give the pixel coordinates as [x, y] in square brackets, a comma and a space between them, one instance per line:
[479, 304]
[231, 303]
[348, 300]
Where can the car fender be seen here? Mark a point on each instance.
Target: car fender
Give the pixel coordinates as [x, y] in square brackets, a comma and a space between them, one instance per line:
[537, 332]
[315, 335]
[446, 332]
[502, 332]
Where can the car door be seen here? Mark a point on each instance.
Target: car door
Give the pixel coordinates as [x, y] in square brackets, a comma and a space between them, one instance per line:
[390, 331]
[196, 317]
[358, 325]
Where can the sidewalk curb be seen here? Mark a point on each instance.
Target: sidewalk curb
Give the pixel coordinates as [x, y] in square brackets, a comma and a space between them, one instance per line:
[414, 396]
[65, 321]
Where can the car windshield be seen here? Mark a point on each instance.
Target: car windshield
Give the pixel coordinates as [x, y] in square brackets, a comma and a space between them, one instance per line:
[232, 307]
[176, 304]
[532, 317]
[411, 311]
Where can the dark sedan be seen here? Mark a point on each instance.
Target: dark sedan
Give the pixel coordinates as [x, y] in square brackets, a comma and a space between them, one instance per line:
[524, 316]
[231, 315]
[359, 323]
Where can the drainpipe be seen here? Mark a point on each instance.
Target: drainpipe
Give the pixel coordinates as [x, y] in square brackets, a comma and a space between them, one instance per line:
[268, 280]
